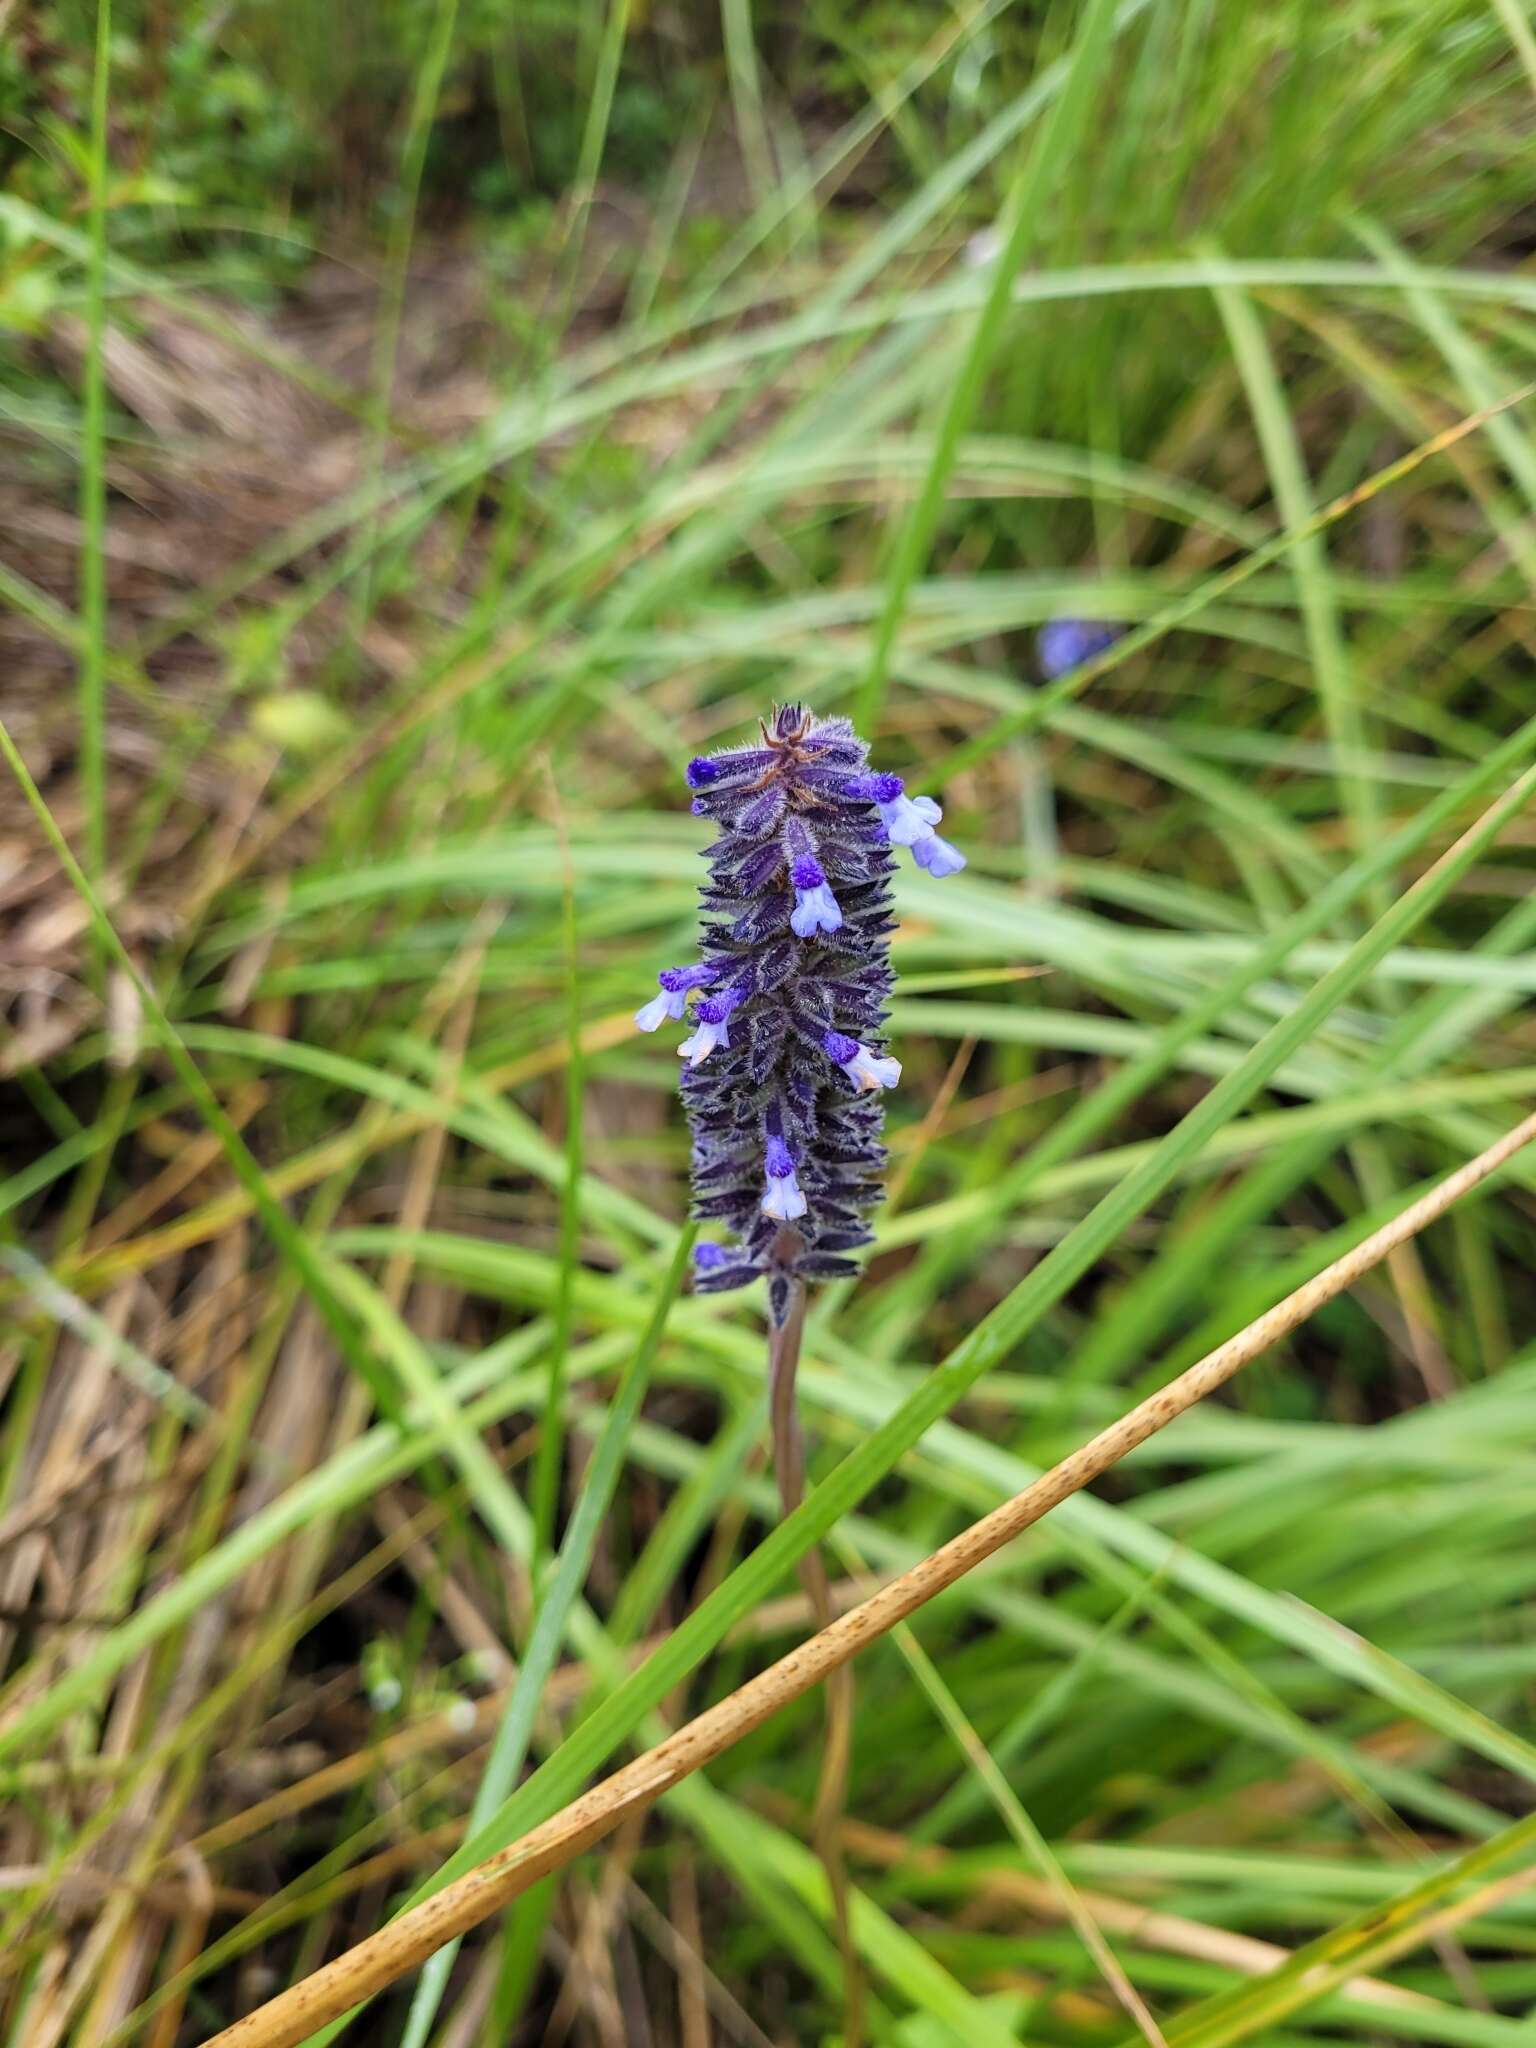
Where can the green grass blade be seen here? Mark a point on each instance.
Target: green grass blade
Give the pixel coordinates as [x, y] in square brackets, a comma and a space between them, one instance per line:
[1057, 142]
[93, 474]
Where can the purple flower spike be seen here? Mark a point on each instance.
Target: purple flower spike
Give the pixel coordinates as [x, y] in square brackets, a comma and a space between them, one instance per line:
[1066, 644]
[786, 1063]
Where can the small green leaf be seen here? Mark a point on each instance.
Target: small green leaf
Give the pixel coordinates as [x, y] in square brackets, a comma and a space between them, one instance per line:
[301, 721]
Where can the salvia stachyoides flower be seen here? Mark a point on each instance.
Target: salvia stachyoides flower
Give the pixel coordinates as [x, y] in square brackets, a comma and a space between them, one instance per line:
[786, 1057]
[1065, 644]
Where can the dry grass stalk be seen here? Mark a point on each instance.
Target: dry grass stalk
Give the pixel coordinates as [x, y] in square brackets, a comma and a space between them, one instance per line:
[405, 1943]
[1175, 1934]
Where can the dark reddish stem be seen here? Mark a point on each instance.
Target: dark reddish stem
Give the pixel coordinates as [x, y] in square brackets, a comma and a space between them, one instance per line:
[837, 1755]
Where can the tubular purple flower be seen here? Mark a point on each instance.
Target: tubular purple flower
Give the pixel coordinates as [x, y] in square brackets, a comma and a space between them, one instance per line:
[783, 1199]
[652, 1015]
[816, 908]
[678, 980]
[676, 984]
[906, 819]
[786, 1061]
[937, 856]
[712, 1021]
[866, 1069]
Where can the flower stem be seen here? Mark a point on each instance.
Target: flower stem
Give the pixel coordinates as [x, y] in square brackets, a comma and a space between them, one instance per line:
[837, 1754]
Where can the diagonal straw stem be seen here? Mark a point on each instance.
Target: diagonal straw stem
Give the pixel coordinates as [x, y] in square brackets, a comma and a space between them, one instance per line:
[289, 2019]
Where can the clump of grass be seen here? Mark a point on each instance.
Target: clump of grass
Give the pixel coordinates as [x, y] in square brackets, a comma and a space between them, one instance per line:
[406, 592]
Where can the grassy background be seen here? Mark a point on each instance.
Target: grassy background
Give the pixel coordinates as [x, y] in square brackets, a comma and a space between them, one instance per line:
[425, 427]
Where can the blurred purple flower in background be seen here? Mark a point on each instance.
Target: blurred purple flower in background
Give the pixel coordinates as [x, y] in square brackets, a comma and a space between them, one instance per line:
[1066, 644]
